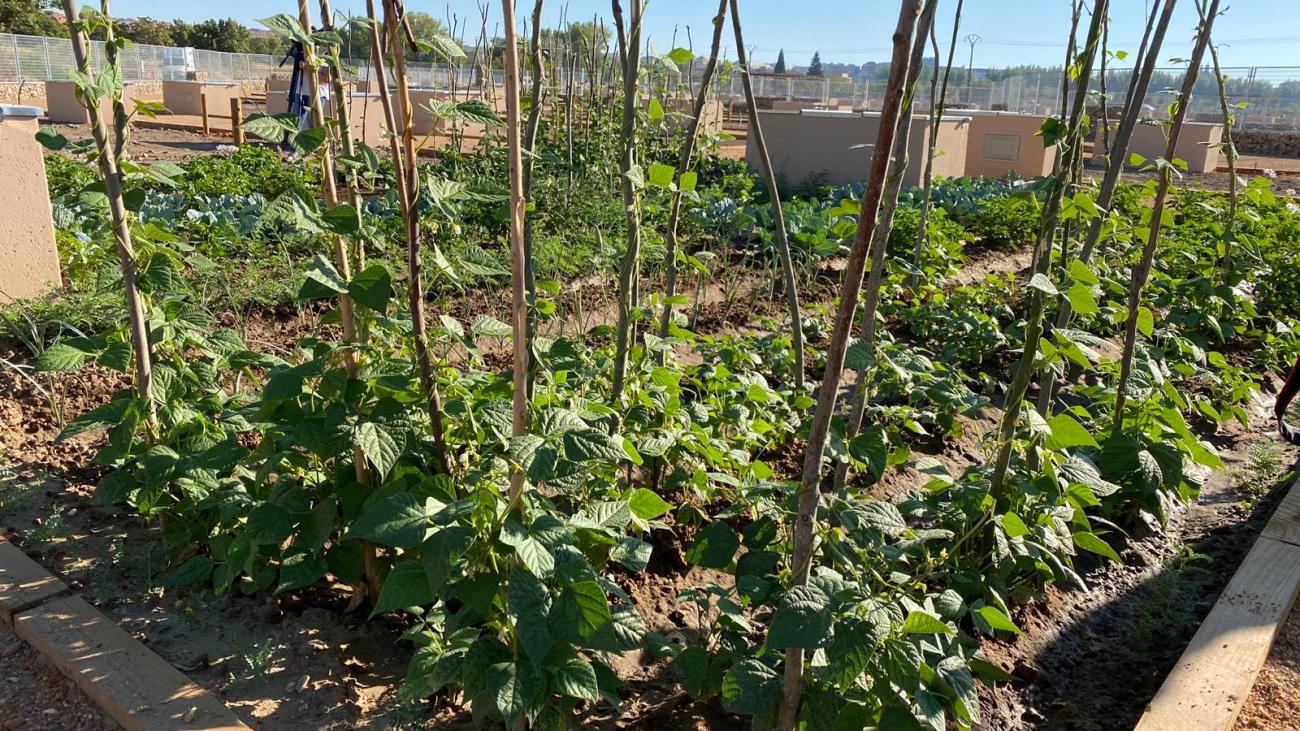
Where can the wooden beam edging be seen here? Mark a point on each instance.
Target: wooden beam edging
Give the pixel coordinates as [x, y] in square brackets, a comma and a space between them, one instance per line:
[131, 683]
[1208, 687]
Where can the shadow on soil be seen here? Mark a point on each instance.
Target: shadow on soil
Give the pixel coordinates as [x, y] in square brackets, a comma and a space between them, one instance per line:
[1092, 660]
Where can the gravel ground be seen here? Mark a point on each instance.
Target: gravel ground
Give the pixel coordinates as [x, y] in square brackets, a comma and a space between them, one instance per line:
[33, 695]
[1274, 702]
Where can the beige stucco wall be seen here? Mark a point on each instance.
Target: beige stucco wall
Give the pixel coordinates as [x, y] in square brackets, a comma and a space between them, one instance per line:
[61, 103]
[366, 113]
[29, 261]
[1197, 144]
[183, 97]
[810, 143]
[1034, 159]
[422, 120]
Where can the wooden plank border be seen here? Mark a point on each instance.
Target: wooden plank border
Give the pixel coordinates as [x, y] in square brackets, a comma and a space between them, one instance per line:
[130, 682]
[1212, 680]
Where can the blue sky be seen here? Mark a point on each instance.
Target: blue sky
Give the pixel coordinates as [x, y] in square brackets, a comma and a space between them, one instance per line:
[1252, 33]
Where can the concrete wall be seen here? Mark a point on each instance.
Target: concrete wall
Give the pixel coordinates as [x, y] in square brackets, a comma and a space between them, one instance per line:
[366, 113]
[184, 97]
[811, 143]
[993, 137]
[29, 260]
[678, 111]
[422, 120]
[61, 103]
[1197, 144]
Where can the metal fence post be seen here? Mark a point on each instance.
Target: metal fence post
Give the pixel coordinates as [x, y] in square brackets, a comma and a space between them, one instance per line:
[18, 66]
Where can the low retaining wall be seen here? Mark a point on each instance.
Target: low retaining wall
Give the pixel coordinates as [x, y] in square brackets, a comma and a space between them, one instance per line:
[827, 146]
[1000, 143]
[32, 93]
[184, 97]
[1197, 145]
[31, 261]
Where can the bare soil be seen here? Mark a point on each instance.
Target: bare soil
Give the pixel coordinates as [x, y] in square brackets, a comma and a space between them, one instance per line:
[154, 144]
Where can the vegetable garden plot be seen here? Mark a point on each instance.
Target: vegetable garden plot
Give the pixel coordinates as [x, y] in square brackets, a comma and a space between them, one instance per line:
[516, 481]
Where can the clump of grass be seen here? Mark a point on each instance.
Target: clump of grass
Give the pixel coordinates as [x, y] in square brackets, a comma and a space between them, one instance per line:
[255, 660]
[1263, 469]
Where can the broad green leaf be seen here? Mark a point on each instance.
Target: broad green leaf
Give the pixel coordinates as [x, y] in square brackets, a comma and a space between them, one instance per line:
[1082, 299]
[529, 605]
[287, 26]
[307, 141]
[323, 280]
[585, 445]
[1067, 432]
[342, 219]
[194, 571]
[405, 586]
[714, 547]
[301, 569]
[1091, 543]
[921, 622]
[661, 176]
[576, 678]
[1146, 321]
[1014, 526]
[378, 445]
[373, 287]
[647, 505]
[802, 619]
[681, 56]
[535, 557]
[872, 448]
[51, 139]
[1041, 283]
[751, 688]
[955, 674]
[581, 612]
[997, 620]
[878, 515]
[489, 326]
[270, 128]
[632, 553]
[60, 357]
[398, 520]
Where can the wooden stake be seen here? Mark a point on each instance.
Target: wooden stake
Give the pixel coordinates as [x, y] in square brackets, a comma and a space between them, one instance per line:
[237, 119]
[819, 430]
[203, 105]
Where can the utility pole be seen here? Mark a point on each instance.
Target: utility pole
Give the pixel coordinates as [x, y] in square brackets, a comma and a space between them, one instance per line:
[972, 39]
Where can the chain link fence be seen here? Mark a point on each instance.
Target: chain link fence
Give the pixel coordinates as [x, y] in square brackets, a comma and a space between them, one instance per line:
[1270, 95]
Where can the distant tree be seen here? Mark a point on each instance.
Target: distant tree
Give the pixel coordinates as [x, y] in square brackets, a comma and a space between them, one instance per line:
[424, 26]
[270, 45]
[780, 62]
[213, 35]
[583, 35]
[147, 31]
[356, 40]
[815, 68]
[29, 17]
